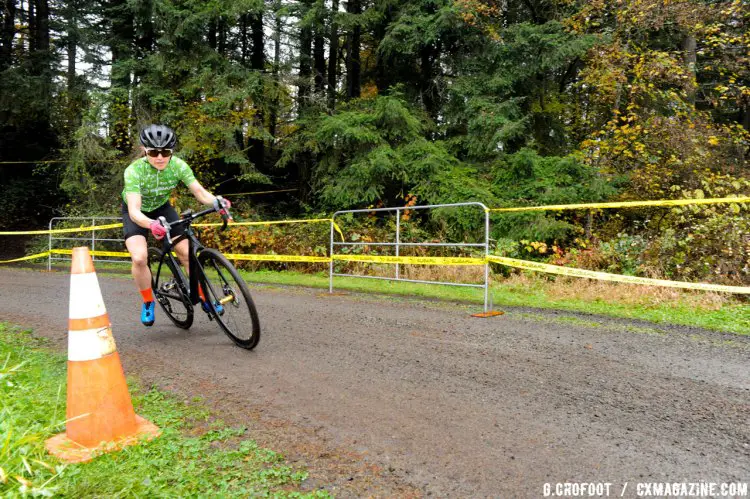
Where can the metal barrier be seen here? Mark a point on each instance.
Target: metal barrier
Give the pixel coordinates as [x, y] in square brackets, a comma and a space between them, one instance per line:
[93, 239]
[398, 245]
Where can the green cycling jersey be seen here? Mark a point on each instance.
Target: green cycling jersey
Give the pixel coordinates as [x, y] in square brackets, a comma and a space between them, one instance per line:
[154, 185]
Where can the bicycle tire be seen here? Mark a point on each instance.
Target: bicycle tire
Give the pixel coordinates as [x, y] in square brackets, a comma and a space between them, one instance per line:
[225, 285]
[169, 291]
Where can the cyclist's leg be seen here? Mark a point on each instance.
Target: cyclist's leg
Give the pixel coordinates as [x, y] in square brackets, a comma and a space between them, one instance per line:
[139, 256]
[142, 275]
[181, 249]
[168, 212]
[135, 242]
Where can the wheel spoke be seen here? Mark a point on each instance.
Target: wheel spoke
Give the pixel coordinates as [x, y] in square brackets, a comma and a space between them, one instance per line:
[168, 292]
[224, 287]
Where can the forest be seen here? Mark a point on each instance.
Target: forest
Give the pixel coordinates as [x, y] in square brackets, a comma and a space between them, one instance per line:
[346, 104]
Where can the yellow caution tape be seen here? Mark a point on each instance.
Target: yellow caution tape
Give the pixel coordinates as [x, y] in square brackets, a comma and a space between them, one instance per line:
[117, 225]
[279, 222]
[261, 258]
[62, 231]
[603, 276]
[627, 204]
[427, 260]
[338, 229]
[279, 258]
[119, 254]
[30, 257]
[274, 222]
[412, 260]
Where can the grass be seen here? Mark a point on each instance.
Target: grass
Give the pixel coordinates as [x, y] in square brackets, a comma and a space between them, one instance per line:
[714, 311]
[195, 456]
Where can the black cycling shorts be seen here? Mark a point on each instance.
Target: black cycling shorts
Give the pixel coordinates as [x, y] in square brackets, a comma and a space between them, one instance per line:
[130, 228]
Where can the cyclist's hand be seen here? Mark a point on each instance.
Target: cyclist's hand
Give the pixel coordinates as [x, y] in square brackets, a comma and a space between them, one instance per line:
[222, 205]
[157, 229]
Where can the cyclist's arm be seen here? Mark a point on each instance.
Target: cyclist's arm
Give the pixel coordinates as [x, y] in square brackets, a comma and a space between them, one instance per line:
[134, 210]
[200, 193]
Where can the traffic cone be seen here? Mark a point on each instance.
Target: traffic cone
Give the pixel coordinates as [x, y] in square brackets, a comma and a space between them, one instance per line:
[100, 415]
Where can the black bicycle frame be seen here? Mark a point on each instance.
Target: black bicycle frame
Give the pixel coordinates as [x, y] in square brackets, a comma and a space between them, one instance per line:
[195, 270]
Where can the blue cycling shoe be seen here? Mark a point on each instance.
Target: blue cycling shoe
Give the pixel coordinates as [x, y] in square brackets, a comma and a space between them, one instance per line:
[147, 313]
[218, 306]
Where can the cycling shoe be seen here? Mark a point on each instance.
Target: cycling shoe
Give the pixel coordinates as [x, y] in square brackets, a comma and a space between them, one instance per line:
[147, 313]
[218, 306]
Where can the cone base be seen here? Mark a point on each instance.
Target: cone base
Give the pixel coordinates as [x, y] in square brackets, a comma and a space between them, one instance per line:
[491, 313]
[69, 451]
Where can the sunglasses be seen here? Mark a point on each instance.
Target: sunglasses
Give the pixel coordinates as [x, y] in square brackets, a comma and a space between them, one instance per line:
[156, 152]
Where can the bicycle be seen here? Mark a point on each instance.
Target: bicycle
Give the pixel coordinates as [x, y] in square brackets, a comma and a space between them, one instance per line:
[228, 299]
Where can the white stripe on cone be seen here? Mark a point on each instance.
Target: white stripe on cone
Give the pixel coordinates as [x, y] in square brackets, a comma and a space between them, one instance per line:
[90, 344]
[86, 299]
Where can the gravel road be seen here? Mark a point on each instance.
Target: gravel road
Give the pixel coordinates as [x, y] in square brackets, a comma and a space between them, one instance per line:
[392, 397]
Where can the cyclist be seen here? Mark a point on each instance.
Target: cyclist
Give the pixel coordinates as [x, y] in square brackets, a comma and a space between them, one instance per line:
[149, 180]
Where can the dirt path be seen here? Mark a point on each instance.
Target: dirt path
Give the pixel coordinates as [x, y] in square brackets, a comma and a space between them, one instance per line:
[403, 398]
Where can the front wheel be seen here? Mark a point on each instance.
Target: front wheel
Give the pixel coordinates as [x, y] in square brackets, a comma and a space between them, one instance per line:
[225, 287]
[169, 291]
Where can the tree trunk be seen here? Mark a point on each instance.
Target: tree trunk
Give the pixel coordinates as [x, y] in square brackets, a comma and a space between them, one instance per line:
[333, 62]
[244, 40]
[305, 66]
[319, 57]
[42, 25]
[222, 48]
[427, 88]
[353, 67]
[72, 54]
[257, 146]
[145, 41]
[259, 55]
[212, 28]
[689, 47]
[121, 47]
[144, 44]
[7, 34]
[276, 63]
[31, 12]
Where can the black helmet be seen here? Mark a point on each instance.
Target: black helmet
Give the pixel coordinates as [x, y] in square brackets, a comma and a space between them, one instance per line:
[158, 137]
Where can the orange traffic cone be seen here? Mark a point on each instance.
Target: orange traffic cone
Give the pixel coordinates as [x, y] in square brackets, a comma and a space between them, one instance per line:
[100, 414]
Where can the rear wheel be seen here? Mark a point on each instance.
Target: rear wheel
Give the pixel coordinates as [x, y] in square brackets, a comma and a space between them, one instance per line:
[237, 315]
[169, 290]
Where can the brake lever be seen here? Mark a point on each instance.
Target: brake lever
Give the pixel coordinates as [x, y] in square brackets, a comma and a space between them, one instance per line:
[165, 224]
[225, 218]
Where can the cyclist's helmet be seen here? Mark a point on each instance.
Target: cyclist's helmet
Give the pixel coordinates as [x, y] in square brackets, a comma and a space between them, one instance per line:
[158, 137]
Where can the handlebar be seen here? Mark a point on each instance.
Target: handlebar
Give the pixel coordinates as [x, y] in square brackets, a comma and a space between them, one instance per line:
[188, 216]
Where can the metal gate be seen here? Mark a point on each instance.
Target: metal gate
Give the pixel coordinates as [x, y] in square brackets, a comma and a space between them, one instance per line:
[398, 244]
[92, 240]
